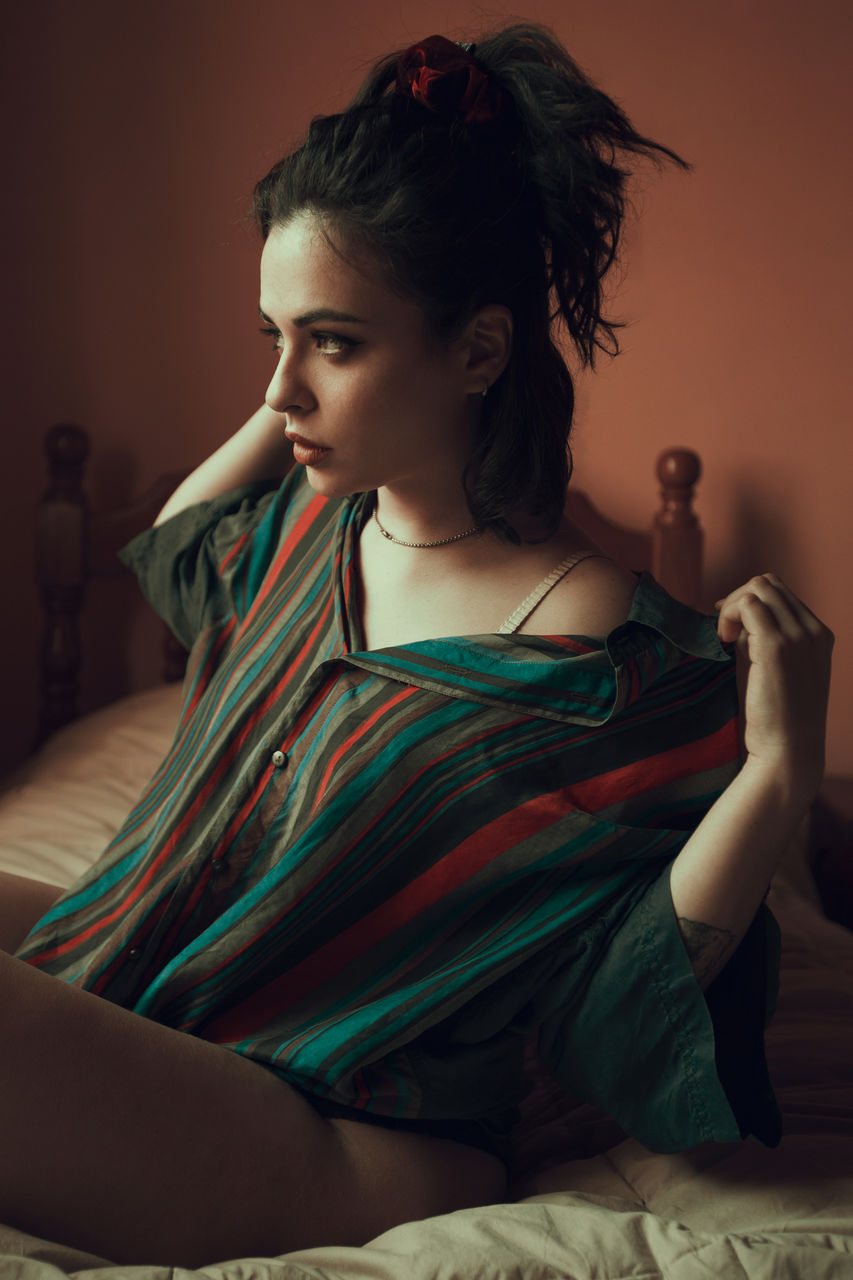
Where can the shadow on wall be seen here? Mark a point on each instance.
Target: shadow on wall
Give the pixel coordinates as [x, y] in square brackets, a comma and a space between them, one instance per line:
[761, 541]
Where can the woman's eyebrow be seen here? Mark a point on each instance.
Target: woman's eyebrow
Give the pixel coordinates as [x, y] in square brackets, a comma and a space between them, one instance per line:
[320, 313]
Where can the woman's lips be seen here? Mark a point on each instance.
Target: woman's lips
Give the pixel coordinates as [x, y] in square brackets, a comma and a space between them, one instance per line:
[305, 452]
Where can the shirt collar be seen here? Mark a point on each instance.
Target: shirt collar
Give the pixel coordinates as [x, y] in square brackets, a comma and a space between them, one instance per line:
[581, 680]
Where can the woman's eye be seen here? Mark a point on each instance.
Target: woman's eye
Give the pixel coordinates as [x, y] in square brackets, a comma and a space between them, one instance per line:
[269, 331]
[333, 344]
[328, 344]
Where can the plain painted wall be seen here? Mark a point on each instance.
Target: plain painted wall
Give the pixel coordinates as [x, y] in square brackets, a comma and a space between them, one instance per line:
[136, 132]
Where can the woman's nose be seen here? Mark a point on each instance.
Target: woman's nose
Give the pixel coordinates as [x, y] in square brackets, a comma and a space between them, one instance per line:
[287, 391]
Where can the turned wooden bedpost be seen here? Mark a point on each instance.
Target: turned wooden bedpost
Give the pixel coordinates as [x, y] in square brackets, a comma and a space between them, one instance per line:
[677, 537]
[60, 568]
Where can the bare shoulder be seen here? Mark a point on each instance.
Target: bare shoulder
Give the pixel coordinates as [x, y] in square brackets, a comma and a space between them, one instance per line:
[592, 599]
[599, 593]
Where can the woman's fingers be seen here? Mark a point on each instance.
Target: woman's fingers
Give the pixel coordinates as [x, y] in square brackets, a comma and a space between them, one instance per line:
[782, 609]
[803, 613]
[784, 675]
[765, 616]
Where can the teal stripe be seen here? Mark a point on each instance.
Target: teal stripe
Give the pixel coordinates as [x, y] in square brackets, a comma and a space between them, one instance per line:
[491, 727]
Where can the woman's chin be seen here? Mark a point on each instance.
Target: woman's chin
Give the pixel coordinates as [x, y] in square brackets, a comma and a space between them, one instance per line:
[329, 485]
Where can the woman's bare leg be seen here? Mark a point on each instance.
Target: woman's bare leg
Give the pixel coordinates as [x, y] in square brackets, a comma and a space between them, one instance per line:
[142, 1144]
[22, 903]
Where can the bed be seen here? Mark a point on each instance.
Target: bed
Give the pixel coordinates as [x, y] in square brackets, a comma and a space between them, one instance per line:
[585, 1201]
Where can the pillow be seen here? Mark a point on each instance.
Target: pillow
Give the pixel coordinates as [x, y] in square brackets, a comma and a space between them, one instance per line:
[63, 806]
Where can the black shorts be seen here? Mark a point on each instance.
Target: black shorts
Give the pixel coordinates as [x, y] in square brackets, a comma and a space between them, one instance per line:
[474, 1133]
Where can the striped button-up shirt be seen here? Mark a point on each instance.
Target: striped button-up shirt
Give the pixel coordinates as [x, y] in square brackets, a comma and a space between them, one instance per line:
[379, 872]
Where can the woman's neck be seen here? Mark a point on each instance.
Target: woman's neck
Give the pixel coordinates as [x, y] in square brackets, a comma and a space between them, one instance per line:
[427, 517]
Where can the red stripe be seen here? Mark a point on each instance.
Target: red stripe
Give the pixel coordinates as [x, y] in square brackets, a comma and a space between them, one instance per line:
[307, 650]
[252, 800]
[164, 951]
[202, 679]
[275, 694]
[300, 528]
[462, 747]
[706, 754]
[350, 742]
[153, 868]
[568, 642]
[392, 915]
[241, 542]
[126, 905]
[651, 772]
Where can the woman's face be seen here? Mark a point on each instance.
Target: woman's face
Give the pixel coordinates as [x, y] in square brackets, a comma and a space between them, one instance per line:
[358, 372]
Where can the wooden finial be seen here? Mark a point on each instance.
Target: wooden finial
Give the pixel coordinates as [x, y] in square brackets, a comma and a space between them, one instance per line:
[677, 537]
[60, 552]
[678, 471]
[67, 449]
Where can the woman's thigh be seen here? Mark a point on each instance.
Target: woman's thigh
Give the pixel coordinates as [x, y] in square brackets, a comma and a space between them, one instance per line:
[22, 903]
[142, 1144]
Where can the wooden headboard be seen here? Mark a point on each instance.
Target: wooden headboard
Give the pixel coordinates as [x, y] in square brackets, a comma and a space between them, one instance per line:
[76, 544]
[672, 546]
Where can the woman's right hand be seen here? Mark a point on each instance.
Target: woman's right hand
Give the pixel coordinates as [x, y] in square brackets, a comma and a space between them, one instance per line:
[784, 653]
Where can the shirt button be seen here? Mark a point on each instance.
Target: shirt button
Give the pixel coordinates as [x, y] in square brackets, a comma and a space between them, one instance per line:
[134, 953]
[217, 864]
[279, 759]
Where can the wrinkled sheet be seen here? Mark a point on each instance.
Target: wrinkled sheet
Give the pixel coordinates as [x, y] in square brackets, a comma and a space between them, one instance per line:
[589, 1203]
[569, 1237]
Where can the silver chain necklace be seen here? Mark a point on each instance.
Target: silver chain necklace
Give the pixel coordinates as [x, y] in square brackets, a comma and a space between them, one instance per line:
[442, 542]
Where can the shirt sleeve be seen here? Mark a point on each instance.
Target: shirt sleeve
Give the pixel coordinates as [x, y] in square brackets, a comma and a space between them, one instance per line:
[672, 1065]
[206, 561]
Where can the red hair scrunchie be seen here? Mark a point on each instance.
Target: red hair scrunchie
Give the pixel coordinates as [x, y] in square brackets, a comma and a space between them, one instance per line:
[444, 77]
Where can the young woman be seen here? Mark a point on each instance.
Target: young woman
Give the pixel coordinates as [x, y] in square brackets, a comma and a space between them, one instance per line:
[446, 776]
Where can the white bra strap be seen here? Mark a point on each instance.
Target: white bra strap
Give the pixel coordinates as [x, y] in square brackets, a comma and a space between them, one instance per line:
[524, 610]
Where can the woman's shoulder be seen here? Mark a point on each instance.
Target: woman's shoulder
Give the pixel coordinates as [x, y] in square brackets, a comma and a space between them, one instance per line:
[592, 597]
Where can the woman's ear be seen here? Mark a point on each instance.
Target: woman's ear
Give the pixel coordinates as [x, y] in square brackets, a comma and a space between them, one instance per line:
[488, 344]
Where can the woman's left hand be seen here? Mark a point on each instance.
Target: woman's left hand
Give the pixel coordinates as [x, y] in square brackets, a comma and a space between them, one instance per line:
[784, 653]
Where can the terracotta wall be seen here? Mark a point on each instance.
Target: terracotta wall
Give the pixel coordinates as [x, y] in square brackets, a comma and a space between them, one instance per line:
[137, 130]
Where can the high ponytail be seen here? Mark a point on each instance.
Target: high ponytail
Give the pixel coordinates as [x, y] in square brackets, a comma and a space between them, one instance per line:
[518, 203]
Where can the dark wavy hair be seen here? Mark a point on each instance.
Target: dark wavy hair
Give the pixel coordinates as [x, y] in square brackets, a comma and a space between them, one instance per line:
[525, 211]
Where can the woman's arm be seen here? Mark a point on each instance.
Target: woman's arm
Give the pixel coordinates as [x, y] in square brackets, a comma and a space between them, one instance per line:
[722, 874]
[258, 451]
